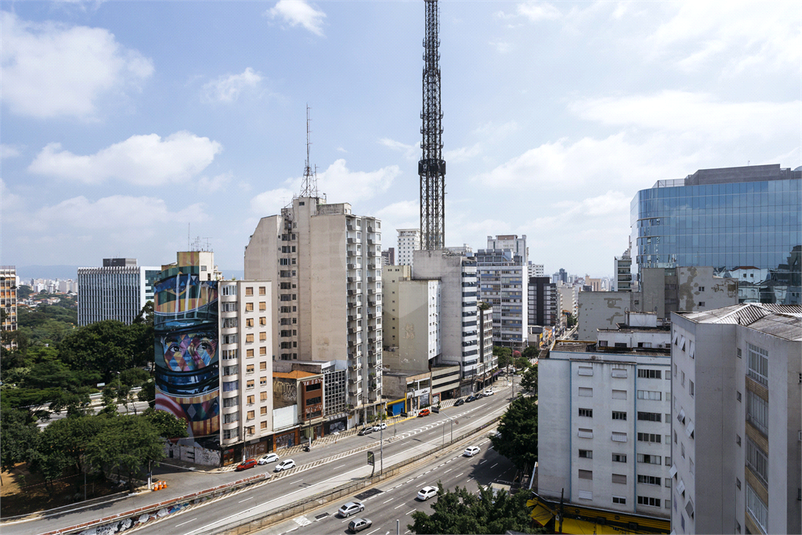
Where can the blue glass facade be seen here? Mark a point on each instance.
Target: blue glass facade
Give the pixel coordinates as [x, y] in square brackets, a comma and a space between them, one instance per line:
[731, 219]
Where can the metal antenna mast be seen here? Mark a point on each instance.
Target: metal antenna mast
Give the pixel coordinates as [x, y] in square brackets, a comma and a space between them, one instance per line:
[309, 186]
[432, 166]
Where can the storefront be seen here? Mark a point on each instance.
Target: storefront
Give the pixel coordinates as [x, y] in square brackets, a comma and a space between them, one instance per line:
[335, 426]
[287, 439]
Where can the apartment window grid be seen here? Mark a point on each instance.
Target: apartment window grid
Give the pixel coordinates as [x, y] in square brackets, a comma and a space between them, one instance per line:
[758, 364]
[757, 460]
[757, 509]
[757, 412]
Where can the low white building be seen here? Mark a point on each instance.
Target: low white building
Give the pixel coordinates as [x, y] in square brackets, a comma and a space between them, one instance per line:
[604, 422]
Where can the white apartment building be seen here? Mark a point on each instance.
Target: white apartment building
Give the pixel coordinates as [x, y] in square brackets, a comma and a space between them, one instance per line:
[408, 243]
[622, 272]
[459, 337]
[568, 298]
[536, 270]
[411, 320]
[604, 422]
[116, 291]
[737, 420]
[503, 283]
[325, 262]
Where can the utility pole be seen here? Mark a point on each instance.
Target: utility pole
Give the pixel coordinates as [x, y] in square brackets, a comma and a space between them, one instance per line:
[432, 166]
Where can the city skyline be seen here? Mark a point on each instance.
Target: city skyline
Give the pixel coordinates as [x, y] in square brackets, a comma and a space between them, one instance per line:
[119, 133]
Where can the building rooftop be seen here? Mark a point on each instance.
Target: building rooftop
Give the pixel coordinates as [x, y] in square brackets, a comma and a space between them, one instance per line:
[295, 374]
[586, 346]
[783, 321]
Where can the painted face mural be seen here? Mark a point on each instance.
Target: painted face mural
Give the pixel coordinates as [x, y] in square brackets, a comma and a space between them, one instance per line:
[187, 352]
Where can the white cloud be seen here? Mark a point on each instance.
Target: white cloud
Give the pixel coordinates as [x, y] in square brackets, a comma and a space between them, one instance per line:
[410, 152]
[401, 214]
[8, 200]
[215, 183]
[741, 36]
[8, 151]
[693, 113]
[462, 154]
[227, 88]
[118, 214]
[145, 160]
[536, 11]
[343, 185]
[502, 47]
[51, 69]
[298, 12]
[271, 202]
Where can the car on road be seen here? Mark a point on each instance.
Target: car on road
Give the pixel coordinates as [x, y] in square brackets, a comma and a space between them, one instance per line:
[424, 412]
[427, 492]
[350, 508]
[244, 465]
[268, 458]
[470, 398]
[489, 392]
[459, 402]
[470, 451]
[365, 431]
[286, 464]
[358, 524]
[379, 427]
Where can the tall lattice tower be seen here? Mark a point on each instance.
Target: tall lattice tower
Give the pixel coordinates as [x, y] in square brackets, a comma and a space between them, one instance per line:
[309, 184]
[432, 166]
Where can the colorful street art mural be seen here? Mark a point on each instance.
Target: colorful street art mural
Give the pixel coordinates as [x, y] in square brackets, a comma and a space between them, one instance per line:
[186, 351]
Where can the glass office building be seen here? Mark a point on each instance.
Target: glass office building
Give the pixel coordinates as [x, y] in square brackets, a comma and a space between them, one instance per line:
[745, 222]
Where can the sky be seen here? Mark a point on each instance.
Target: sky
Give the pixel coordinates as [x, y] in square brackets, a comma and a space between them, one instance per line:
[137, 128]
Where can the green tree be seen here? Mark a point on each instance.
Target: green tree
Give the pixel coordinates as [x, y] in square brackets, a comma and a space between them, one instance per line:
[19, 436]
[125, 445]
[167, 425]
[106, 347]
[462, 511]
[69, 437]
[504, 355]
[531, 352]
[517, 433]
[571, 320]
[522, 363]
[529, 380]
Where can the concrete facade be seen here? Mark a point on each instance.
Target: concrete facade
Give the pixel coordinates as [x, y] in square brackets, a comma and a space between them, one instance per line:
[542, 302]
[116, 291]
[602, 310]
[8, 301]
[408, 243]
[737, 419]
[503, 283]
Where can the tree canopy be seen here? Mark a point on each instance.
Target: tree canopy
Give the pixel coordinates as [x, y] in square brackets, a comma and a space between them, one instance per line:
[504, 355]
[529, 380]
[517, 433]
[462, 511]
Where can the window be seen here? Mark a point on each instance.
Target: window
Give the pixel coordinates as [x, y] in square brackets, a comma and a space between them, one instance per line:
[262, 306]
[619, 373]
[682, 449]
[249, 290]
[251, 415]
[263, 397]
[230, 433]
[650, 374]
[619, 457]
[263, 426]
[650, 416]
[262, 351]
[263, 366]
[619, 394]
[620, 500]
[249, 322]
[585, 392]
[263, 411]
[249, 369]
[585, 433]
[650, 480]
[585, 474]
[757, 412]
[649, 437]
[691, 389]
[248, 307]
[648, 500]
[682, 380]
[249, 353]
[619, 437]
[758, 364]
[262, 290]
[262, 321]
[621, 479]
[738, 483]
[263, 336]
[738, 439]
[619, 415]
[757, 460]
[230, 402]
[586, 454]
[250, 399]
[250, 384]
[649, 459]
[585, 370]
[263, 381]
[756, 507]
[249, 338]
[586, 413]
[650, 395]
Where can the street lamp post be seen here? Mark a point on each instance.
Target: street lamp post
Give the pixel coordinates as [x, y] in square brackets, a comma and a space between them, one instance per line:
[452, 430]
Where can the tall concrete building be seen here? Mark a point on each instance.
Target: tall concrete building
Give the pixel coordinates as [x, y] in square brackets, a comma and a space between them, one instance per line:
[542, 302]
[8, 302]
[388, 257]
[604, 420]
[459, 321]
[622, 272]
[503, 283]
[408, 243]
[737, 420]
[730, 219]
[536, 270]
[116, 291]
[325, 262]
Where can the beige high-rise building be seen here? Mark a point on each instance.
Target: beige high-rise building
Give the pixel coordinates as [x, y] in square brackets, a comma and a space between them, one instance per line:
[327, 302]
[8, 301]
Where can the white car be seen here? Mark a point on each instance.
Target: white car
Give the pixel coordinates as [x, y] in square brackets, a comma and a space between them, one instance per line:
[427, 492]
[470, 451]
[379, 427]
[286, 464]
[489, 392]
[268, 458]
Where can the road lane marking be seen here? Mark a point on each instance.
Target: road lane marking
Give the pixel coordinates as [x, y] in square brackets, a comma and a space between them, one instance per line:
[187, 522]
[391, 499]
[494, 465]
[397, 506]
[245, 500]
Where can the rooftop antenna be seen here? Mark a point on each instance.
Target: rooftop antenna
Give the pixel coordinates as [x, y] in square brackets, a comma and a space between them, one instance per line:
[309, 185]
